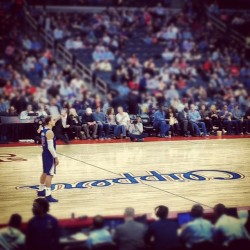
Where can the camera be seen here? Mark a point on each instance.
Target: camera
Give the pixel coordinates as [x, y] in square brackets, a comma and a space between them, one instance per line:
[134, 122]
[39, 121]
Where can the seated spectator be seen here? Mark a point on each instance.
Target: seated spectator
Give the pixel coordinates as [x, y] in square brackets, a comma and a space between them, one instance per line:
[104, 65]
[172, 93]
[238, 118]
[246, 123]
[75, 125]
[8, 88]
[41, 110]
[149, 67]
[163, 231]
[197, 231]
[184, 121]
[77, 43]
[173, 122]
[26, 113]
[4, 105]
[99, 234]
[11, 237]
[204, 113]
[130, 235]
[69, 44]
[195, 118]
[226, 118]
[216, 121]
[89, 120]
[58, 33]
[11, 111]
[135, 129]
[227, 228]
[62, 127]
[160, 121]
[110, 118]
[168, 55]
[43, 229]
[103, 127]
[123, 120]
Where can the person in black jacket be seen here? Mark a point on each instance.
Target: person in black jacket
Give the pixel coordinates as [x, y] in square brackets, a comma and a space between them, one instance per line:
[62, 127]
[42, 229]
[163, 231]
[184, 122]
[75, 125]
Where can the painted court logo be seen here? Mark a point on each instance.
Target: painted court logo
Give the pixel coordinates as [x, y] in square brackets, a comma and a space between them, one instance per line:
[10, 158]
[152, 176]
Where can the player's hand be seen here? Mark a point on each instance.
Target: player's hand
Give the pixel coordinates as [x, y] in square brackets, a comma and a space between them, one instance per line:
[56, 161]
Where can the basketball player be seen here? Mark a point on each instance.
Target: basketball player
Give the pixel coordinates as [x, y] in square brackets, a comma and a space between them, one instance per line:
[50, 160]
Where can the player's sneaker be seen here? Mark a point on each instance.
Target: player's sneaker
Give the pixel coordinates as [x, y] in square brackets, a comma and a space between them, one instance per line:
[51, 199]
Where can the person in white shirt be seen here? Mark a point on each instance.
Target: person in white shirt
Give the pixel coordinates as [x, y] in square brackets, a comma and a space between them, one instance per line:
[25, 114]
[123, 120]
[197, 231]
[227, 228]
[77, 43]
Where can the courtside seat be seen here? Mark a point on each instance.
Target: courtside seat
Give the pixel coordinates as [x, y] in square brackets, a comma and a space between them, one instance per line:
[148, 125]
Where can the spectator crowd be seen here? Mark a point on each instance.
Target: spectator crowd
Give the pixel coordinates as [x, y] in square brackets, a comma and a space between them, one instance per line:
[201, 78]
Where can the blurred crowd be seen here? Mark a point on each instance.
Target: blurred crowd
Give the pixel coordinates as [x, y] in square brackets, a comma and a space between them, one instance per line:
[197, 72]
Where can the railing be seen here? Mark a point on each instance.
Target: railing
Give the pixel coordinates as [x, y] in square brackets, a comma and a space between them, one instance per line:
[48, 39]
[223, 28]
[64, 56]
[32, 22]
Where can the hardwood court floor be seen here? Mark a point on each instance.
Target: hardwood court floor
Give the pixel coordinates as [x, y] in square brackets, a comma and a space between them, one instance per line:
[82, 167]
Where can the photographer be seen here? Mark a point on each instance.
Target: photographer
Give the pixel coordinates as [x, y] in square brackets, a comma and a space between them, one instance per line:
[39, 125]
[136, 130]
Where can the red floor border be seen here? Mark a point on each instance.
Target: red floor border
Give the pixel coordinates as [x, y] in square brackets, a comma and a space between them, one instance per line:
[148, 139]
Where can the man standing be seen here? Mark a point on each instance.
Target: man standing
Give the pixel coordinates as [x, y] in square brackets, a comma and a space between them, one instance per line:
[50, 160]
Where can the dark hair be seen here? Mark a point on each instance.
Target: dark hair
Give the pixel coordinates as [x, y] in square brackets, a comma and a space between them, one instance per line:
[197, 211]
[98, 222]
[43, 204]
[161, 212]
[47, 119]
[15, 221]
[220, 209]
[109, 110]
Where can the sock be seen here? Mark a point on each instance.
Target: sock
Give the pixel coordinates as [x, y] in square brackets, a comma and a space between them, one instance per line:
[41, 187]
[47, 191]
